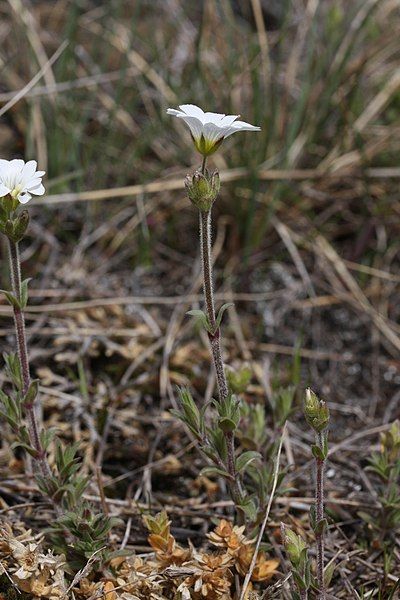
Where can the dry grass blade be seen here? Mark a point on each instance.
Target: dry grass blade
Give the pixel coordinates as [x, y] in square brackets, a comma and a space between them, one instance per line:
[265, 520]
[21, 93]
[356, 291]
[230, 175]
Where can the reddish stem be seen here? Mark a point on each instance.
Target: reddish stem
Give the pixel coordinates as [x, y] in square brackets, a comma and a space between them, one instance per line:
[215, 343]
[19, 321]
[319, 514]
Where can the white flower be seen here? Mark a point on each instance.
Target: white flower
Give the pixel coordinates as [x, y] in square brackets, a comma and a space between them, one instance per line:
[209, 129]
[20, 179]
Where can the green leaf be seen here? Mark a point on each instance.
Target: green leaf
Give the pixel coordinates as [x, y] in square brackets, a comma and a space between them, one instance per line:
[221, 313]
[202, 317]
[321, 526]
[299, 580]
[328, 573]
[3, 397]
[31, 393]
[24, 292]
[246, 459]
[11, 299]
[48, 436]
[313, 519]
[248, 506]
[215, 471]
[27, 447]
[317, 452]
[227, 425]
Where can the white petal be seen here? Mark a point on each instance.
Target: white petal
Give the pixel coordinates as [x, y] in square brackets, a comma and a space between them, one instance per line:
[4, 190]
[216, 118]
[12, 173]
[191, 110]
[29, 169]
[24, 197]
[4, 164]
[241, 126]
[228, 120]
[32, 183]
[38, 190]
[17, 164]
[175, 113]
[212, 132]
[195, 125]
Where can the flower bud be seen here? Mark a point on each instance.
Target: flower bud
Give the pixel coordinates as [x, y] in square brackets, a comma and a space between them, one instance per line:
[203, 189]
[316, 412]
[20, 225]
[294, 545]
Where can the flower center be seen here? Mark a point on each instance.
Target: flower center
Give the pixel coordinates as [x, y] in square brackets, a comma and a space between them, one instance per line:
[15, 192]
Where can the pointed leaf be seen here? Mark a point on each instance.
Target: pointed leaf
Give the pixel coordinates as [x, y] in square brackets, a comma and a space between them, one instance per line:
[202, 317]
[221, 313]
[24, 292]
[11, 299]
[246, 459]
[215, 471]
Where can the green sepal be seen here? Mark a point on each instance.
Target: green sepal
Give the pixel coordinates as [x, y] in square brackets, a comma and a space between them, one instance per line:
[20, 225]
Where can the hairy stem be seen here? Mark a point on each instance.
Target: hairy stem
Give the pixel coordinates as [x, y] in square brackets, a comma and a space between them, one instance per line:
[19, 321]
[215, 343]
[319, 513]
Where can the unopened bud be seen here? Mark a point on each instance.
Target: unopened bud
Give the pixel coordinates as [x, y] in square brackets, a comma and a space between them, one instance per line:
[294, 545]
[203, 189]
[20, 225]
[316, 411]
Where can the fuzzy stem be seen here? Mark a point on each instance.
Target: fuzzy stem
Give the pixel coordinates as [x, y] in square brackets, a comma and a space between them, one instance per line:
[19, 321]
[215, 343]
[303, 594]
[319, 513]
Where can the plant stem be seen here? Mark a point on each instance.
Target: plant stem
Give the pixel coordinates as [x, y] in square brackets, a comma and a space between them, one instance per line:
[215, 343]
[319, 514]
[19, 321]
[303, 594]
